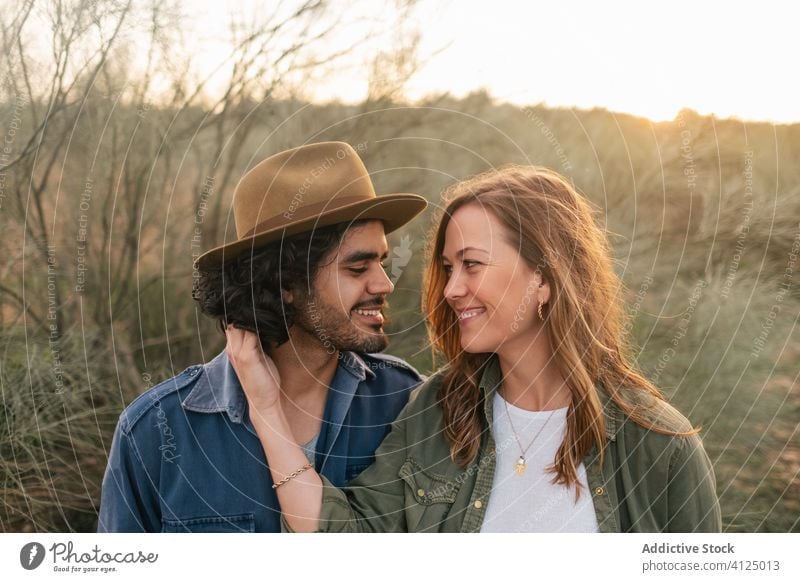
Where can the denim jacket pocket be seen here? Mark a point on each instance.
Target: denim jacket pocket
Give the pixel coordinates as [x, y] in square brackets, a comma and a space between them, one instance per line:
[241, 523]
[429, 496]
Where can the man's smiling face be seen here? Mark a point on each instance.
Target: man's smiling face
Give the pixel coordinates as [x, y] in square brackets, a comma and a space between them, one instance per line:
[345, 306]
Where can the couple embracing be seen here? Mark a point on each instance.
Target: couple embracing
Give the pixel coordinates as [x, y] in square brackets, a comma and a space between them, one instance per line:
[537, 420]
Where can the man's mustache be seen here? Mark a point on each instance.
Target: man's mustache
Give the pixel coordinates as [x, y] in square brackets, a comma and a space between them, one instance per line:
[381, 303]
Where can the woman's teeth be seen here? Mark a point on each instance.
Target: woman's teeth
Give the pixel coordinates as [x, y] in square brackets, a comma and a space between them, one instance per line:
[470, 313]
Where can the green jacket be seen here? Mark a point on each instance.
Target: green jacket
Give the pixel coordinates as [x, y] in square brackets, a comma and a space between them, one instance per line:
[648, 482]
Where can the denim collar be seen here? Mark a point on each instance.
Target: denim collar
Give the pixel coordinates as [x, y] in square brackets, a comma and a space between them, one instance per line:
[492, 378]
[218, 389]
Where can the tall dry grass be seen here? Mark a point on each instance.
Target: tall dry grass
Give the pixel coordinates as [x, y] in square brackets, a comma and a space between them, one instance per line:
[702, 213]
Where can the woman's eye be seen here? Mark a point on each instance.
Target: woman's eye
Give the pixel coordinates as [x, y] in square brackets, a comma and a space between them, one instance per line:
[468, 264]
[447, 270]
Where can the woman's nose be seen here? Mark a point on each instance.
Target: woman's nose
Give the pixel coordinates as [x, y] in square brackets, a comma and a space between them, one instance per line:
[454, 288]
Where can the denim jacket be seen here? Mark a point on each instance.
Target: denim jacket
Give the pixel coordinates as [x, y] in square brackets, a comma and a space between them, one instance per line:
[186, 458]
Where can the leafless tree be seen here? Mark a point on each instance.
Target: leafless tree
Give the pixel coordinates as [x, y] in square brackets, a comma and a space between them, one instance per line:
[116, 141]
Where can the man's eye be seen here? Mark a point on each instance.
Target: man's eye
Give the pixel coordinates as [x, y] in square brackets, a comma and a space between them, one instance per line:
[358, 271]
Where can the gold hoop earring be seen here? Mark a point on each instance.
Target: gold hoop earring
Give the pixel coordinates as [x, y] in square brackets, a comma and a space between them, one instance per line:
[540, 310]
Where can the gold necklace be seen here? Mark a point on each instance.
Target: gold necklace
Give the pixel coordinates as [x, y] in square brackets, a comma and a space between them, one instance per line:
[520, 465]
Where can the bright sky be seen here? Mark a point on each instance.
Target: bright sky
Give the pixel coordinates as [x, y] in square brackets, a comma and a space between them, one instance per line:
[649, 58]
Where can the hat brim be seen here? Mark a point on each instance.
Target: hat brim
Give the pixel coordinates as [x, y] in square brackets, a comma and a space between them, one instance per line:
[394, 210]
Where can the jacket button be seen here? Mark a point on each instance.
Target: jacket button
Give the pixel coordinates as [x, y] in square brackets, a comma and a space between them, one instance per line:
[421, 492]
[599, 491]
[478, 504]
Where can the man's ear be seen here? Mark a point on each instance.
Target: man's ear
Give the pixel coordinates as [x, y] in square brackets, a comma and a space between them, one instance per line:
[287, 296]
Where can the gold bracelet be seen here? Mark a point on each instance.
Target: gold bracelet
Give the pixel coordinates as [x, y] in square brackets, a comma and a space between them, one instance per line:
[291, 476]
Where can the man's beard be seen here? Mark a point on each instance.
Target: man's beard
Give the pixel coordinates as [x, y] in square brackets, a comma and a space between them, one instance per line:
[335, 330]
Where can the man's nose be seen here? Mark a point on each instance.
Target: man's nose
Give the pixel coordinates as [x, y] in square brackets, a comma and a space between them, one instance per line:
[380, 283]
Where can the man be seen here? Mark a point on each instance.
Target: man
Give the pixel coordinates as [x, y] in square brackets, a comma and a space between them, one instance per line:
[306, 275]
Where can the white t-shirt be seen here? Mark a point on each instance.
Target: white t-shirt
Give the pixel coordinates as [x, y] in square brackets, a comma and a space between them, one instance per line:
[530, 502]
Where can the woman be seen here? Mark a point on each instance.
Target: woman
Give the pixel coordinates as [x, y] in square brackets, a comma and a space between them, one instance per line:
[538, 421]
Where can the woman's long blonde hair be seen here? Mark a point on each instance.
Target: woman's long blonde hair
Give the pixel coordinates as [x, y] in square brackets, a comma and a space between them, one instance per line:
[553, 229]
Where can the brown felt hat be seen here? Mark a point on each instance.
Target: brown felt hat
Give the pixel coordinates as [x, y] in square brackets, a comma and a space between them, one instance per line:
[306, 188]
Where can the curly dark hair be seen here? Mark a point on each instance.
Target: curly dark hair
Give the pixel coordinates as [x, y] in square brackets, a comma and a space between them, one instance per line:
[246, 291]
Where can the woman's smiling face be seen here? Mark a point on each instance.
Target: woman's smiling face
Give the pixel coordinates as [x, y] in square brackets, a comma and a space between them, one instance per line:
[491, 289]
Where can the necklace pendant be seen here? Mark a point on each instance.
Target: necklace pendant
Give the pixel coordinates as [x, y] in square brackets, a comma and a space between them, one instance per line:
[520, 465]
